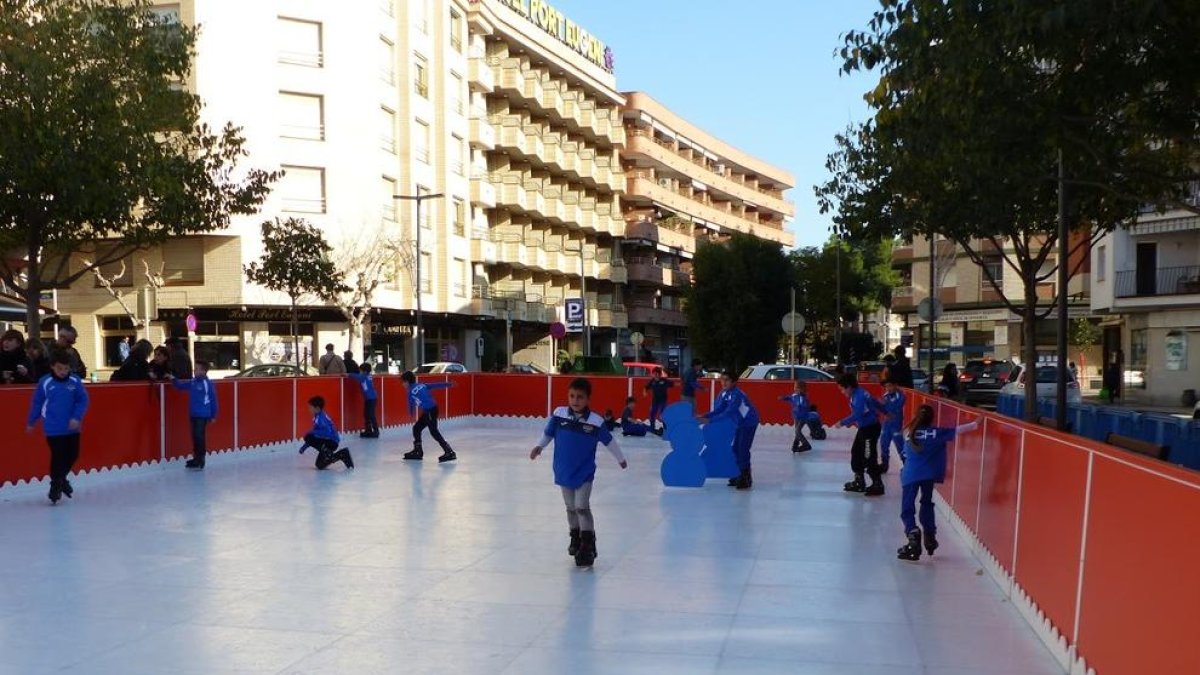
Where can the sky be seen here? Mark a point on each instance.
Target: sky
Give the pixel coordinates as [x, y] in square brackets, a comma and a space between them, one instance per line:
[761, 76]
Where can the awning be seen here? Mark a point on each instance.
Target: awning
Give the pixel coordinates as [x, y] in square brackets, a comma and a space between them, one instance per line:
[12, 309]
[1166, 225]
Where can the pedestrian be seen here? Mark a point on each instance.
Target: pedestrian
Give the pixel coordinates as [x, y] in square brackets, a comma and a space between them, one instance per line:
[136, 367]
[1113, 378]
[324, 437]
[202, 410]
[160, 363]
[370, 400]
[60, 401]
[657, 388]
[900, 371]
[925, 448]
[180, 362]
[1074, 370]
[948, 386]
[734, 405]
[15, 367]
[349, 362]
[123, 350]
[419, 396]
[864, 453]
[691, 382]
[576, 431]
[331, 364]
[39, 359]
[801, 409]
[629, 425]
[893, 421]
[67, 335]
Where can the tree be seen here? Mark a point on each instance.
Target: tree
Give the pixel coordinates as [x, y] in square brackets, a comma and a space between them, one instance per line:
[101, 153]
[365, 265]
[980, 104]
[867, 279]
[296, 262]
[1084, 334]
[738, 297]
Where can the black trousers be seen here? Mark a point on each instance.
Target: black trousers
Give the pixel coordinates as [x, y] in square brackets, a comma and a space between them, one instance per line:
[327, 450]
[429, 420]
[64, 451]
[199, 439]
[864, 454]
[370, 423]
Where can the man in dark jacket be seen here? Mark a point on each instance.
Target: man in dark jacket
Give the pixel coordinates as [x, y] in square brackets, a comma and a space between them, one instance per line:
[351, 364]
[900, 372]
[66, 344]
[181, 363]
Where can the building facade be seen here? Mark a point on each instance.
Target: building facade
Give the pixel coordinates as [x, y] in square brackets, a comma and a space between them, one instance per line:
[1146, 285]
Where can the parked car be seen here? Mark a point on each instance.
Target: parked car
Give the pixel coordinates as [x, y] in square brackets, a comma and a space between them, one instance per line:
[640, 369]
[920, 380]
[276, 370]
[982, 379]
[441, 368]
[781, 371]
[1046, 383]
[527, 369]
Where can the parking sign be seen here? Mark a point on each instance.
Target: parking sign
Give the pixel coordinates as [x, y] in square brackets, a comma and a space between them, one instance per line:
[574, 311]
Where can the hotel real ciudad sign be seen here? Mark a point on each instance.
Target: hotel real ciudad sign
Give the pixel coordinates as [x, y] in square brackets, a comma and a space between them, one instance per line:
[545, 16]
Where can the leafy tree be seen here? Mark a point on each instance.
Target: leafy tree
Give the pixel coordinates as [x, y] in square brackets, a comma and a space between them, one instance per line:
[980, 104]
[296, 262]
[98, 143]
[739, 294]
[867, 279]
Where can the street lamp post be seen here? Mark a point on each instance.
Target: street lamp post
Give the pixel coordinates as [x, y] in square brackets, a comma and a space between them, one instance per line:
[419, 338]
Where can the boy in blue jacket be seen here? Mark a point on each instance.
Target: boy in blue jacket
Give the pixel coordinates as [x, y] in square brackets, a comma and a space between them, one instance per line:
[657, 388]
[60, 401]
[864, 453]
[324, 437]
[419, 396]
[801, 409]
[202, 410]
[732, 403]
[630, 426]
[893, 421]
[370, 400]
[576, 431]
[925, 450]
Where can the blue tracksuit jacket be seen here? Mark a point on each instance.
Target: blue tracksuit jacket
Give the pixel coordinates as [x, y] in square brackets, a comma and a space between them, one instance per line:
[864, 409]
[56, 402]
[323, 427]
[368, 385]
[419, 395]
[801, 407]
[893, 410]
[734, 404]
[575, 437]
[202, 396]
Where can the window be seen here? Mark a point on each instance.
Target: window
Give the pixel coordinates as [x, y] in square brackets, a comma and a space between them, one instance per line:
[460, 278]
[169, 22]
[459, 216]
[302, 189]
[456, 93]
[422, 18]
[1101, 263]
[387, 61]
[114, 330]
[421, 149]
[284, 328]
[456, 35]
[421, 76]
[301, 116]
[426, 272]
[120, 273]
[183, 262]
[387, 193]
[993, 269]
[387, 131]
[458, 161]
[300, 43]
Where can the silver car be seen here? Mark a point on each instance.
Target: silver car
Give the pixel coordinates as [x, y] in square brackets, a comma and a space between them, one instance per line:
[1047, 383]
[780, 371]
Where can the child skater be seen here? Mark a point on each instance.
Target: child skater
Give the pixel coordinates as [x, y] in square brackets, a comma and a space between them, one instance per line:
[610, 420]
[864, 454]
[60, 401]
[370, 400]
[575, 431]
[324, 437]
[202, 410]
[419, 397]
[925, 450]
[893, 421]
[630, 426]
[657, 388]
[801, 409]
[733, 404]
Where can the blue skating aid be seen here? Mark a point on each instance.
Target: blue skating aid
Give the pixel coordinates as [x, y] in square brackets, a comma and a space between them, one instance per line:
[718, 449]
[682, 467]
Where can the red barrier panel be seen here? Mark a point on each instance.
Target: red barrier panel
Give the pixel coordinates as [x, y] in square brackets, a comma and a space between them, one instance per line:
[1001, 448]
[641, 407]
[393, 403]
[118, 428]
[608, 391]
[329, 388]
[25, 456]
[179, 424]
[510, 395]
[460, 400]
[352, 405]
[265, 411]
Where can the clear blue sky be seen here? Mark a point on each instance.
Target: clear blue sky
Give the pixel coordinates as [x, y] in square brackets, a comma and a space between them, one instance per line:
[759, 75]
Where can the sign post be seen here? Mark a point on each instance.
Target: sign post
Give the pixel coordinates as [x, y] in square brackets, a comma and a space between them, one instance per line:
[793, 325]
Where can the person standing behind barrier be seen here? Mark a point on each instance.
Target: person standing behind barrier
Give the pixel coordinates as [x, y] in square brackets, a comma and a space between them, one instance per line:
[419, 396]
[691, 382]
[14, 362]
[202, 410]
[733, 404]
[801, 409]
[657, 387]
[925, 447]
[576, 431]
[948, 386]
[324, 437]
[331, 364]
[60, 401]
[349, 362]
[893, 410]
[67, 335]
[179, 362]
[136, 368]
[160, 364]
[864, 453]
[900, 370]
[370, 400]
[39, 359]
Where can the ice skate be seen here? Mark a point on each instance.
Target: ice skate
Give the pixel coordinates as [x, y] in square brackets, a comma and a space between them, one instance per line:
[931, 542]
[883, 468]
[55, 493]
[744, 481]
[416, 454]
[573, 548]
[911, 551]
[856, 485]
[586, 555]
[447, 456]
[344, 455]
[874, 490]
[68, 491]
[193, 464]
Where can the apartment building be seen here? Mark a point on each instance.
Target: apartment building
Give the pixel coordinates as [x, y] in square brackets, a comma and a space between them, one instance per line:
[1146, 286]
[685, 186]
[976, 323]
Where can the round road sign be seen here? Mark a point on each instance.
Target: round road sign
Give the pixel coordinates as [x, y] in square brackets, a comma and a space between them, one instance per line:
[637, 338]
[793, 323]
[557, 330]
[191, 323]
[930, 309]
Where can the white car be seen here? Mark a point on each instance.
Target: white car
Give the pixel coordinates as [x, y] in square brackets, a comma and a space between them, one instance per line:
[1047, 383]
[441, 368]
[781, 371]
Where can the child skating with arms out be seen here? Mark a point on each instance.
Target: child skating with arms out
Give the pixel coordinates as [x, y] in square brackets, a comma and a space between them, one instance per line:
[925, 465]
[801, 409]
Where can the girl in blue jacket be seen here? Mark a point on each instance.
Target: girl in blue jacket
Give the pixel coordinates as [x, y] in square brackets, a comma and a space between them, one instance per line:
[732, 403]
[864, 453]
[893, 422]
[202, 410]
[925, 465]
[60, 401]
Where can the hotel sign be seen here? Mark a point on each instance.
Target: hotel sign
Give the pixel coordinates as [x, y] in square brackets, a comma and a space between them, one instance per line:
[549, 19]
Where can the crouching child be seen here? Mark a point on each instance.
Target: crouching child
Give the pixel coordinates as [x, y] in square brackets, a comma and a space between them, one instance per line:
[324, 437]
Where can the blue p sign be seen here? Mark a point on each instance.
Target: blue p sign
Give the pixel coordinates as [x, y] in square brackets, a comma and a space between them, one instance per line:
[574, 310]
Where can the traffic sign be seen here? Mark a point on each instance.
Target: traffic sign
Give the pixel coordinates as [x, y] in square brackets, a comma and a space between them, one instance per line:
[190, 321]
[637, 339]
[930, 309]
[793, 323]
[558, 331]
[575, 316]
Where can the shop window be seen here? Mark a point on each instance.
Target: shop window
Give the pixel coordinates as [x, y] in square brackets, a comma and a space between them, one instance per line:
[113, 331]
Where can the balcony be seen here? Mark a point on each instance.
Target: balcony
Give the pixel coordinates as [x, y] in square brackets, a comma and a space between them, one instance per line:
[481, 302]
[514, 137]
[481, 132]
[646, 271]
[1160, 282]
[612, 318]
[659, 234]
[483, 248]
[640, 312]
[642, 185]
[483, 193]
[480, 77]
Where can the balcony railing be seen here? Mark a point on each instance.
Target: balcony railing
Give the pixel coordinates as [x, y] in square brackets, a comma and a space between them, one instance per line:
[1164, 281]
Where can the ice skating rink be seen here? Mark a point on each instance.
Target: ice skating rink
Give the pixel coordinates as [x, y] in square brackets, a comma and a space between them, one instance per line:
[260, 564]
